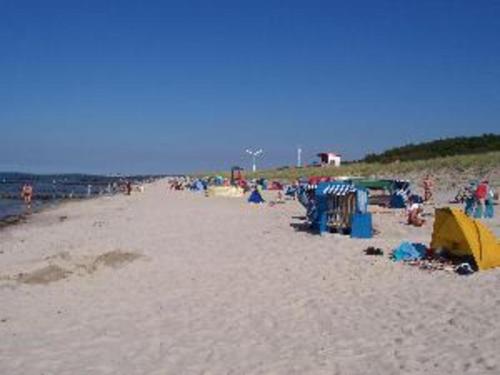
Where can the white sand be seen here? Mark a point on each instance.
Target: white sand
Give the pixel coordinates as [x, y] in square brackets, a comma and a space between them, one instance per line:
[223, 287]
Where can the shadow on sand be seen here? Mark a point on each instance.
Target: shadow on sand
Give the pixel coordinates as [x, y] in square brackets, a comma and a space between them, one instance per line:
[303, 227]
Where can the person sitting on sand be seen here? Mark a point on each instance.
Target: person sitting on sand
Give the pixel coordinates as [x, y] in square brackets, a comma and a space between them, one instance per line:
[415, 215]
[27, 193]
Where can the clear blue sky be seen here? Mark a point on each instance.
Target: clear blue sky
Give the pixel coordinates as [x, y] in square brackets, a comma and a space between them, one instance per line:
[172, 86]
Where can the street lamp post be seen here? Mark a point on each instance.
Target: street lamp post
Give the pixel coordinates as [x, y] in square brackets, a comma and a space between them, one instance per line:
[254, 155]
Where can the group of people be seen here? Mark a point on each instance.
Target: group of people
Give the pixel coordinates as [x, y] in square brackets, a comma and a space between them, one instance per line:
[128, 187]
[478, 199]
[27, 191]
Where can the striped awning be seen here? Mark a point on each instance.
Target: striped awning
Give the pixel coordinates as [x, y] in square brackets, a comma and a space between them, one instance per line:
[339, 189]
[403, 192]
[403, 184]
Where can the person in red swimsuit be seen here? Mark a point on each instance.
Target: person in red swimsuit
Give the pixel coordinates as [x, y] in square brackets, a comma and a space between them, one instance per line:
[481, 194]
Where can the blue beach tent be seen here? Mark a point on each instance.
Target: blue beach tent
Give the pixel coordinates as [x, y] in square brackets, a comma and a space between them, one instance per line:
[255, 197]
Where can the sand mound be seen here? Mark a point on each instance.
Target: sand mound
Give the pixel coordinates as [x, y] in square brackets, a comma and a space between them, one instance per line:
[116, 258]
[113, 259]
[62, 265]
[62, 255]
[44, 275]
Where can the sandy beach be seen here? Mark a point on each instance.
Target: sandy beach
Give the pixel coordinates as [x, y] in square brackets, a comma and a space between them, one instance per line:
[176, 283]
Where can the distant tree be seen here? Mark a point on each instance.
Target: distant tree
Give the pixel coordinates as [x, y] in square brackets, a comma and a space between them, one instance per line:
[437, 148]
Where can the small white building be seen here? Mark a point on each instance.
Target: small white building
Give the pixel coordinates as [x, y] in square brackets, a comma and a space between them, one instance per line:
[329, 158]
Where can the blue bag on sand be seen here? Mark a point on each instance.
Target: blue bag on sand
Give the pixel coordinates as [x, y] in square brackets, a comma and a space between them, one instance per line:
[409, 251]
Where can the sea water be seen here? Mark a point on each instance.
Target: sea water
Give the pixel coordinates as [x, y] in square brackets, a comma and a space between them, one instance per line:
[50, 189]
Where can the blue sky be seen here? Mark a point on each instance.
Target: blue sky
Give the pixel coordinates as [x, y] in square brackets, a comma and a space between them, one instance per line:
[179, 86]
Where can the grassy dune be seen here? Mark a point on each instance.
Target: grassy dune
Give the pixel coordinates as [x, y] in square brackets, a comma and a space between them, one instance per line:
[449, 170]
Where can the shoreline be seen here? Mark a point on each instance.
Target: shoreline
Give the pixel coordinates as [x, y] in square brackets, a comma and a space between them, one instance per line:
[25, 217]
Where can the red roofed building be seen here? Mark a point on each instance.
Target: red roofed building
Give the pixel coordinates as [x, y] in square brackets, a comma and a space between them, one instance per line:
[329, 158]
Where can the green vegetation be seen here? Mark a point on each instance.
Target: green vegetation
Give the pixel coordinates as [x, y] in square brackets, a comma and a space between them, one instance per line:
[438, 148]
[479, 164]
[460, 157]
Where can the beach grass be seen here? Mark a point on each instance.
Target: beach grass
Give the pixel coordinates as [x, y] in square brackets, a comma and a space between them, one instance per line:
[478, 165]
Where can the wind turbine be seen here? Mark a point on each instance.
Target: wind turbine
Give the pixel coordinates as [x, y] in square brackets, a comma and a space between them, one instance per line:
[254, 155]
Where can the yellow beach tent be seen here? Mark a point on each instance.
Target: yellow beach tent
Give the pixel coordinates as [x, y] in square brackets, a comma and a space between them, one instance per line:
[224, 191]
[461, 235]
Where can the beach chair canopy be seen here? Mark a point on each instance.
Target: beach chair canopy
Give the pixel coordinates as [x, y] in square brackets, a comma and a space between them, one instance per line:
[342, 207]
[373, 184]
[342, 189]
[336, 188]
[462, 236]
[383, 184]
[236, 174]
[197, 186]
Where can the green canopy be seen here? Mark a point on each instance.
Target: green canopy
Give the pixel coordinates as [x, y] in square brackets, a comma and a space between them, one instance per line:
[373, 184]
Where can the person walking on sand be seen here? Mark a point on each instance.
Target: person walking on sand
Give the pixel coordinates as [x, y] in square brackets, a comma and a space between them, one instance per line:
[27, 193]
[428, 186]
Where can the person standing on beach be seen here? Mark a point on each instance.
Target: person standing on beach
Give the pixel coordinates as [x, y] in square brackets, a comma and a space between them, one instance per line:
[489, 203]
[129, 187]
[296, 187]
[470, 199]
[481, 194]
[27, 193]
[428, 186]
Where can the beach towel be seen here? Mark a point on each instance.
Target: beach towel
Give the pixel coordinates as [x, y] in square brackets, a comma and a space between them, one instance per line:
[409, 251]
